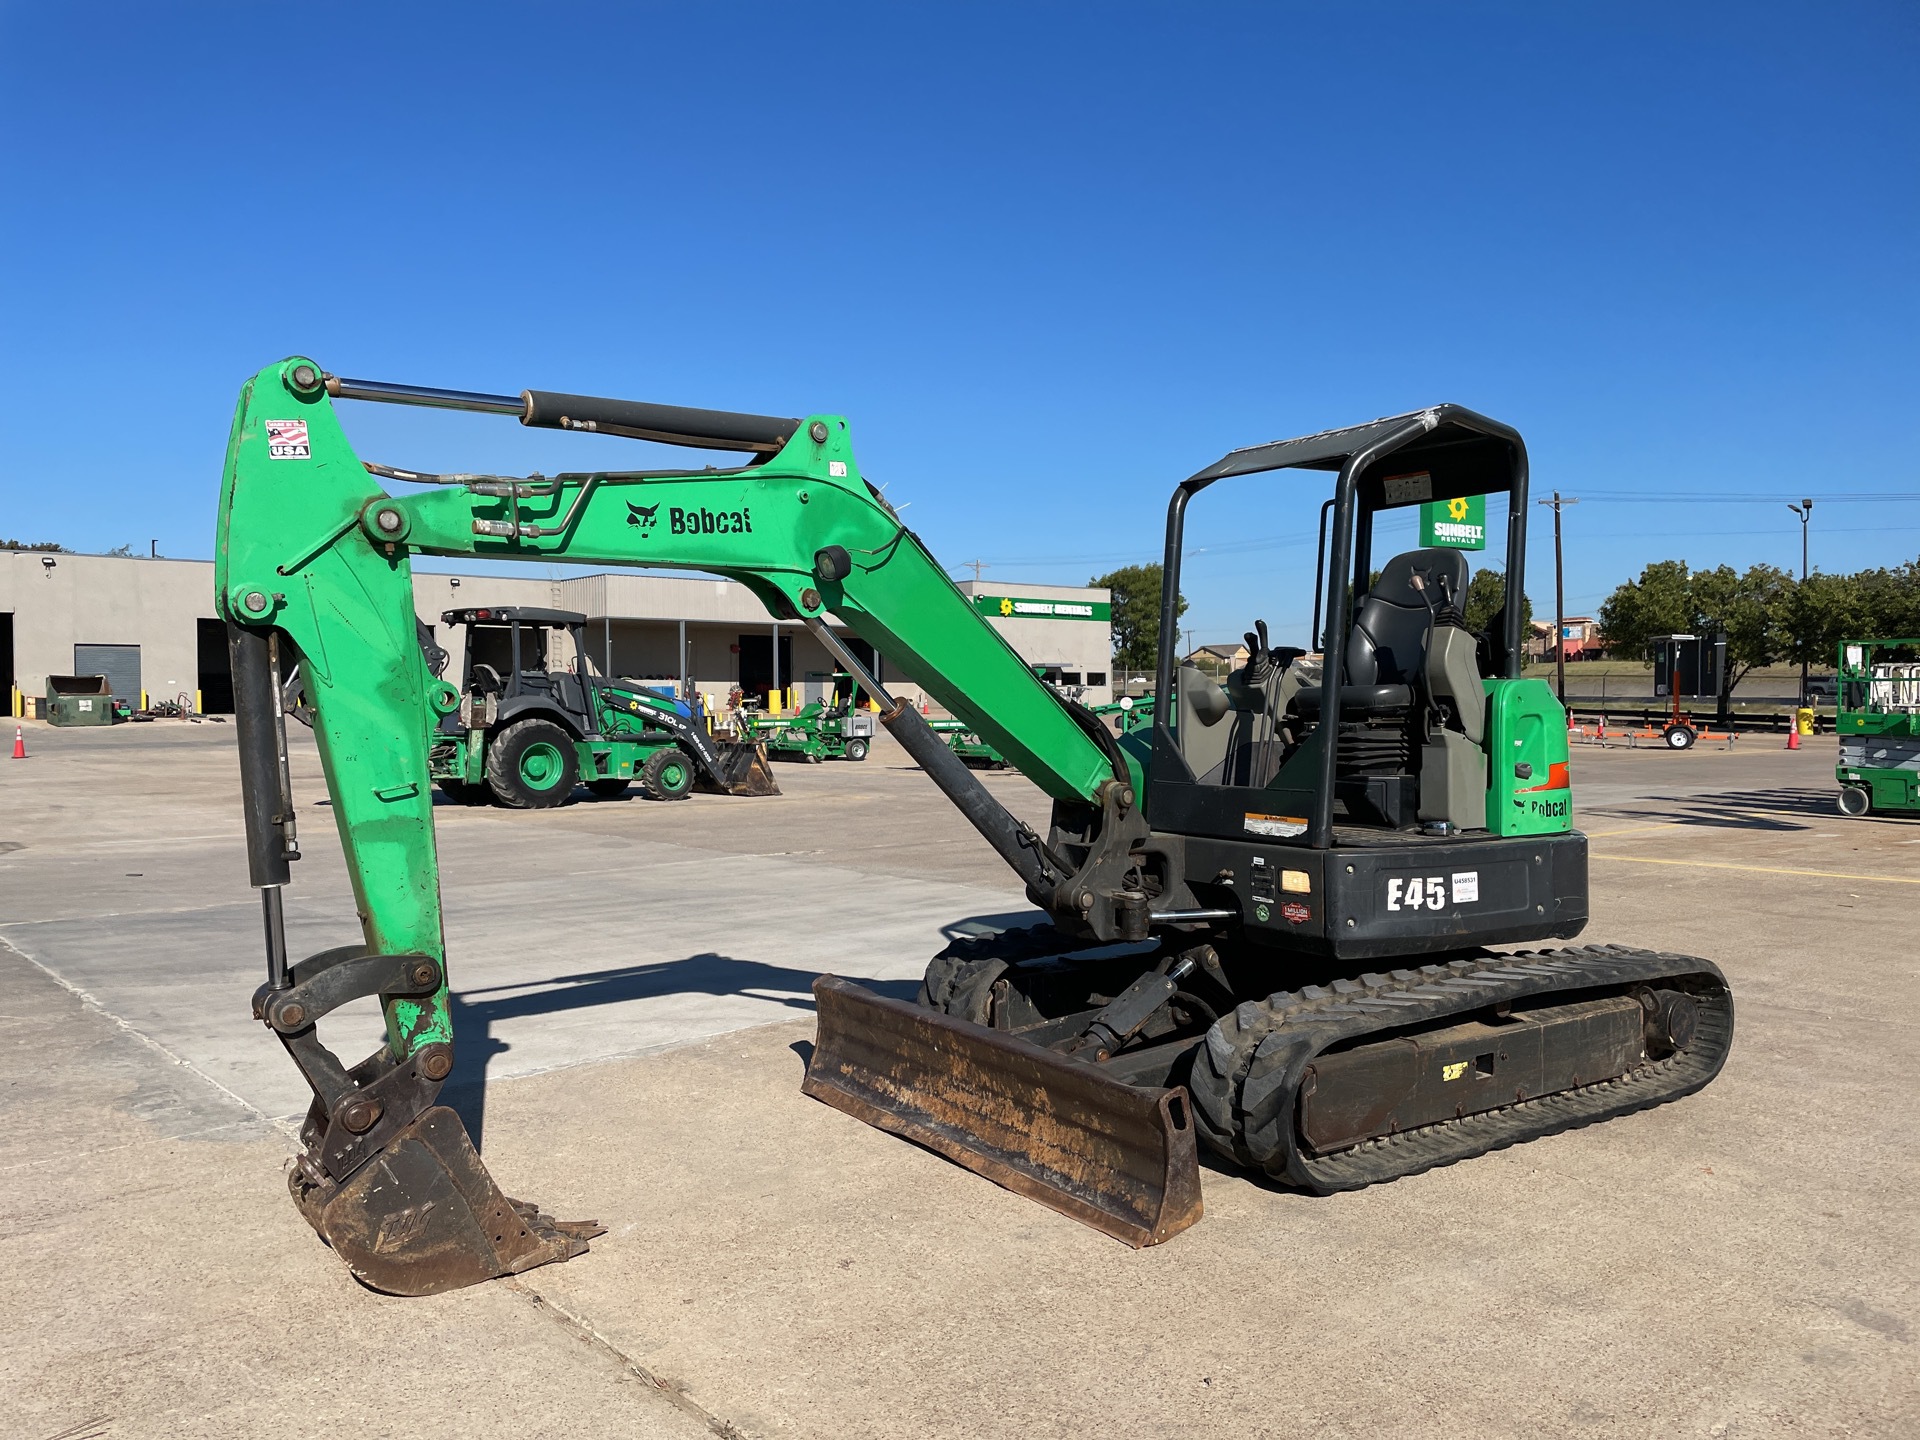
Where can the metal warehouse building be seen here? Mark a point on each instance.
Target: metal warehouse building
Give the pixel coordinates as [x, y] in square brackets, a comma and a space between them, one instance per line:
[149, 626]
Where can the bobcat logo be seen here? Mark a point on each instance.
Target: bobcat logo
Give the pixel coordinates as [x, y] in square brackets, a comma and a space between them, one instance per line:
[642, 516]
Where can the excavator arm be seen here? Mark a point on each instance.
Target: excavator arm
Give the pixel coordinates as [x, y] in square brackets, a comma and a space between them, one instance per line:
[314, 570]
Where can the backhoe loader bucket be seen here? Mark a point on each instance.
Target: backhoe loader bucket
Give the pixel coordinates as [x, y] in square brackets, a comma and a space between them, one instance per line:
[741, 769]
[1118, 1157]
[425, 1216]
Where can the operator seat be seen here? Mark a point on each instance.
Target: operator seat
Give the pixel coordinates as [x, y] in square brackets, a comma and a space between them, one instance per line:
[1392, 629]
[1388, 713]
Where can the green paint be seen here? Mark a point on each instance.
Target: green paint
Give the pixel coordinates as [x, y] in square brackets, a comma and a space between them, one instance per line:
[1528, 789]
[541, 765]
[1021, 607]
[1877, 714]
[1458, 524]
[296, 526]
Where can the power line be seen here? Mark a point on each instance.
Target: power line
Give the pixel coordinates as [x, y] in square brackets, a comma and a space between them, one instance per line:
[1708, 497]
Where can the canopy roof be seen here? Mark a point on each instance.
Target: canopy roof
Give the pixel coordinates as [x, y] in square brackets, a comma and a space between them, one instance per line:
[1446, 435]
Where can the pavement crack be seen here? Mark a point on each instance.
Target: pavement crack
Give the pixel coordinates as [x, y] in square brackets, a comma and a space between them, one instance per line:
[582, 1329]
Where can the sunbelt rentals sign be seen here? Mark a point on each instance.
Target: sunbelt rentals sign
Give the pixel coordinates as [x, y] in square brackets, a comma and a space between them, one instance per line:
[1459, 523]
[1014, 607]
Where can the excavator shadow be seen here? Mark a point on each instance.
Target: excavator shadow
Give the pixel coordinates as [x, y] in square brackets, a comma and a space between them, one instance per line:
[1763, 810]
[477, 1012]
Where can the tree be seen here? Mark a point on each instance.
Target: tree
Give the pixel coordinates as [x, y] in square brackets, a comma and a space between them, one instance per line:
[1750, 609]
[1487, 597]
[1887, 604]
[47, 545]
[1136, 614]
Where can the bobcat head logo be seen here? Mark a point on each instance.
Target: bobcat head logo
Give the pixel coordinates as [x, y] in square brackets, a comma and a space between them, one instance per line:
[642, 516]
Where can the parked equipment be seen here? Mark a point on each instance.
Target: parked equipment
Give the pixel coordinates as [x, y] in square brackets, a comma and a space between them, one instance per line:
[526, 735]
[1122, 716]
[1879, 726]
[834, 729]
[1264, 914]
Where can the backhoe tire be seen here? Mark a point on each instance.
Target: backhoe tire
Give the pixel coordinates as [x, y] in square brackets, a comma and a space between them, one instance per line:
[667, 775]
[856, 749]
[610, 789]
[461, 793]
[532, 765]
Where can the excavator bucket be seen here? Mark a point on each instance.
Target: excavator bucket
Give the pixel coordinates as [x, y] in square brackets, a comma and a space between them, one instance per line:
[425, 1216]
[1118, 1157]
[741, 769]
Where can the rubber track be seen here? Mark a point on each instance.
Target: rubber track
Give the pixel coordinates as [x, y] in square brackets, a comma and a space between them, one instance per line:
[1246, 1079]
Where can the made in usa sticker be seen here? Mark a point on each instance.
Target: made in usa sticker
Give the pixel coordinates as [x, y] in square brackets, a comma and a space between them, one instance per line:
[287, 440]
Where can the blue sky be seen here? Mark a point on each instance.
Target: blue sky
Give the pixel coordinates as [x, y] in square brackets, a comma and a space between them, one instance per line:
[1048, 259]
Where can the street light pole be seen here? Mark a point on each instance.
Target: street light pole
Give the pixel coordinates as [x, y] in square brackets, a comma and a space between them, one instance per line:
[1559, 600]
[1805, 511]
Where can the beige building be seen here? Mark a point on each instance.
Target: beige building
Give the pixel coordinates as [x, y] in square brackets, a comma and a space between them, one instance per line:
[149, 625]
[1066, 630]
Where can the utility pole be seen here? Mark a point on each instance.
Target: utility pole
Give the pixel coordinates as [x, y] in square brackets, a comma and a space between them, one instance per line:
[1559, 599]
[976, 566]
[1805, 511]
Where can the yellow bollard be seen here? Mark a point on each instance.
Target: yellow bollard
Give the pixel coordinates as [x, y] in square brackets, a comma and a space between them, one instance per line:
[199, 706]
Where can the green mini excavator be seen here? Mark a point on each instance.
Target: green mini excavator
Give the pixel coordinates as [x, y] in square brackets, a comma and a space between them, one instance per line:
[1264, 917]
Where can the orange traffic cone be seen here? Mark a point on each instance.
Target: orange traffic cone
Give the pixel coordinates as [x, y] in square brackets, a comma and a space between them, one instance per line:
[1793, 737]
[19, 743]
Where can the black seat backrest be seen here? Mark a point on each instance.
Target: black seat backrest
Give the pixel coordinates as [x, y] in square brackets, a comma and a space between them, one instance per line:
[1388, 645]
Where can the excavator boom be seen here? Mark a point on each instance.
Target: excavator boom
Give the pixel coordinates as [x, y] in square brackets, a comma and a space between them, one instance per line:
[314, 571]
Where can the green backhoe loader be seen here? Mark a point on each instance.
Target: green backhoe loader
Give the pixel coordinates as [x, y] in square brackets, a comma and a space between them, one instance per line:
[526, 735]
[1264, 918]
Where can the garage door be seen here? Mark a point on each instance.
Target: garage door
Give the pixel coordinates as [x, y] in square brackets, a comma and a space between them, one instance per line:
[119, 663]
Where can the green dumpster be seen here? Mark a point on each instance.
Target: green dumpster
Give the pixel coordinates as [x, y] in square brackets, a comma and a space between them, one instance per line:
[79, 700]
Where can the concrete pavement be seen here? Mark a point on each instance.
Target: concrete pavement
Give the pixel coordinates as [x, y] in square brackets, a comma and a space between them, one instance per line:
[1737, 1264]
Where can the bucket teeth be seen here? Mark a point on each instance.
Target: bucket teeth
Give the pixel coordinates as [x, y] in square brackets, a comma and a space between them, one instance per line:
[424, 1216]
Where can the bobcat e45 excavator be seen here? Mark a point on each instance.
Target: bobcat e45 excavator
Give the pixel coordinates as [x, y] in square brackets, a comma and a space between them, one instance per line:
[1265, 915]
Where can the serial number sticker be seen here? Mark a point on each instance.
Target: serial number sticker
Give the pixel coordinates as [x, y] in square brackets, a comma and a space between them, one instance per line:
[1453, 1070]
[1280, 825]
[1466, 887]
[287, 440]
[836, 467]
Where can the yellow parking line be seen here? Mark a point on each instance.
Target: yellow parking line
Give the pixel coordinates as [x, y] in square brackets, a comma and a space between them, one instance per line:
[1764, 869]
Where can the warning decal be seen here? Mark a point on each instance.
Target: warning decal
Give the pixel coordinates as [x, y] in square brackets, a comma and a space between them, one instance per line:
[287, 440]
[1278, 826]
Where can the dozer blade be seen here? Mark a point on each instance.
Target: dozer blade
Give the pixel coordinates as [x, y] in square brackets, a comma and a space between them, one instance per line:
[742, 769]
[1118, 1157]
[425, 1216]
